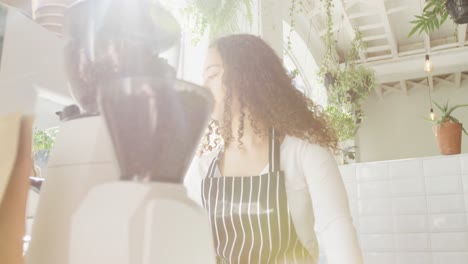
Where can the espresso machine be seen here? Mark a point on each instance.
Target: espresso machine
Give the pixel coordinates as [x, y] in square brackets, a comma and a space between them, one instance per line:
[114, 191]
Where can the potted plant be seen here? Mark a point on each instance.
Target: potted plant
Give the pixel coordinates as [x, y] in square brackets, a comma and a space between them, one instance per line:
[43, 141]
[436, 12]
[448, 130]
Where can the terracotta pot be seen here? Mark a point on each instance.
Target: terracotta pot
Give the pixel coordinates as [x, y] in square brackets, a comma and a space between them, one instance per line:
[449, 138]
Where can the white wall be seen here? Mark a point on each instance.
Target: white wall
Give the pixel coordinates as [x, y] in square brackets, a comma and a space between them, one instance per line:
[32, 54]
[395, 127]
[32, 62]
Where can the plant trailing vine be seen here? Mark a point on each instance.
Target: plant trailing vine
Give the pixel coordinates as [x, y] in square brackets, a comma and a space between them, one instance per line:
[354, 83]
[297, 7]
[219, 17]
[349, 84]
[329, 63]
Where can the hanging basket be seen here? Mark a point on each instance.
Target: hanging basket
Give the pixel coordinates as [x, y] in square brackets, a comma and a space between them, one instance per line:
[328, 80]
[458, 10]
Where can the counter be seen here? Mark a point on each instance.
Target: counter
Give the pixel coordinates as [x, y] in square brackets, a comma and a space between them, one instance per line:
[412, 211]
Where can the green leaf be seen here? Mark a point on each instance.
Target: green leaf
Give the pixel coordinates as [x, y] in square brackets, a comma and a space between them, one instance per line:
[446, 106]
[423, 29]
[449, 112]
[426, 8]
[438, 106]
[431, 25]
[418, 26]
[43, 140]
[248, 5]
[220, 17]
[433, 16]
[444, 17]
[342, 121]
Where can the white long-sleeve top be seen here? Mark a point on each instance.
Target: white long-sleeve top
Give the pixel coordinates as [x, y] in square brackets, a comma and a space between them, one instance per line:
[316, 197]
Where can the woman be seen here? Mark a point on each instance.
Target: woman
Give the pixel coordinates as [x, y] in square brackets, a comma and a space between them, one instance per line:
[273, 179]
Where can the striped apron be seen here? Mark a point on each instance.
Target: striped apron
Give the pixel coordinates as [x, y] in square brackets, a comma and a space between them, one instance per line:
[250, 216]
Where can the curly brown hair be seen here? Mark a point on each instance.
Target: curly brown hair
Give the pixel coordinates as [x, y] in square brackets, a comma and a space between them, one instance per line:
[256, 76]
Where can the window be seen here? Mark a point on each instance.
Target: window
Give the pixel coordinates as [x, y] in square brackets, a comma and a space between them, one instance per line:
[299, 59]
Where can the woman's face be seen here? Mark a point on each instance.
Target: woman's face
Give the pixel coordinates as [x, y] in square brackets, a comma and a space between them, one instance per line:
[213, 71]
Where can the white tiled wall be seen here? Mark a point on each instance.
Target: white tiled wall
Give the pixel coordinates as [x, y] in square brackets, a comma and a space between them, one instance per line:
[411, 211]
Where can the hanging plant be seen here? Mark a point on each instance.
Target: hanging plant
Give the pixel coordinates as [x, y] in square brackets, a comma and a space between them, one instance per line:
[329, 67]
[354, 83]
[436, 12]
[458, 10]
[219, 17]
[349, 85]
[345, 125]
[343, 122]
[297, 7]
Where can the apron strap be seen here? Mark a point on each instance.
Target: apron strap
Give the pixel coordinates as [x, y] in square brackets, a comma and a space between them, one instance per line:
[274, 152]
[273, 155]
[213, 164]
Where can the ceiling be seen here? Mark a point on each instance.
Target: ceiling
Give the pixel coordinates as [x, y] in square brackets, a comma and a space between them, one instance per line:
[24, 6]
[384, 24]
[397, 60]
[431, 82]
